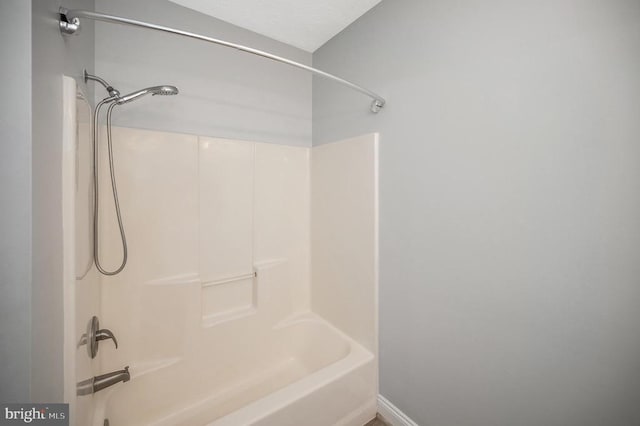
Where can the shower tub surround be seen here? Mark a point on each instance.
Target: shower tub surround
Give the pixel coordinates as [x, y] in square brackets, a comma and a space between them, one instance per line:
[223, 313]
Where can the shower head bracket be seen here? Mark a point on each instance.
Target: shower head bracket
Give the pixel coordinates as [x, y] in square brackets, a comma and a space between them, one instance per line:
[114, 93]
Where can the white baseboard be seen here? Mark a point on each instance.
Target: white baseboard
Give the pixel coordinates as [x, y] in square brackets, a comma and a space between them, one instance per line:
[392, 414]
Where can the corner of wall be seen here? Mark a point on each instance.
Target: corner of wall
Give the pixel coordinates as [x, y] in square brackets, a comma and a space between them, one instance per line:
[52, 57]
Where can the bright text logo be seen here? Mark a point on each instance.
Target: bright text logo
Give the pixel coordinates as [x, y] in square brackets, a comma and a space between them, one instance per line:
[36, 414]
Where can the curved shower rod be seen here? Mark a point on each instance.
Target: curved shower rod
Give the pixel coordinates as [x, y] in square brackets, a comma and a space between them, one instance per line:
[70, 24]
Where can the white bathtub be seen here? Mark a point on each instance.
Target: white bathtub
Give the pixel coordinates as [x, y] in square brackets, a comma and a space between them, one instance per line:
[301, 372]
[207, 311]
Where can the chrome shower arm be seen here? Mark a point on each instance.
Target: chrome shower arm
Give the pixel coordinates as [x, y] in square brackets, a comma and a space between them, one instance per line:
[107, 86]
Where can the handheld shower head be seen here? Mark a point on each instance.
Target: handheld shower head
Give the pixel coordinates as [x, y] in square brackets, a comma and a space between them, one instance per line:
[112, 101]
[155, 90]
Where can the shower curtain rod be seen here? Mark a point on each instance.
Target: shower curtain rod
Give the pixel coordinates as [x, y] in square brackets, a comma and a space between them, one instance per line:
[70, 24]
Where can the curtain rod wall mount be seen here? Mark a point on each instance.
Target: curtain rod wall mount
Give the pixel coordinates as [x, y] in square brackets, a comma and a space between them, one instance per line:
[70, 24]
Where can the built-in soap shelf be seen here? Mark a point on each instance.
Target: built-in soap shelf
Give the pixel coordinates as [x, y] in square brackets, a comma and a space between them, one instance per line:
[227, 280]
[225, 298]
[182, 279]
[229, 298]
[239, 296]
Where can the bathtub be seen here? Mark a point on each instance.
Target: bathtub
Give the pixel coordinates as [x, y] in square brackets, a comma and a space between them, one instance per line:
[300, 366]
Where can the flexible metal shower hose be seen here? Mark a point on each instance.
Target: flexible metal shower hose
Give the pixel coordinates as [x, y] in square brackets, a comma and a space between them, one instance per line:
[96, 192]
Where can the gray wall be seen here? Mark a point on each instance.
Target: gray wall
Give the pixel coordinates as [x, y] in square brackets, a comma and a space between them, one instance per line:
[510, 205]
[53, 56]
[223, 92]
[15, 193]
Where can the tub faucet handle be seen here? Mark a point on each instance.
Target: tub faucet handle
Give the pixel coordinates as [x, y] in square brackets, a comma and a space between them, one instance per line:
[106, 334]
[94, 335]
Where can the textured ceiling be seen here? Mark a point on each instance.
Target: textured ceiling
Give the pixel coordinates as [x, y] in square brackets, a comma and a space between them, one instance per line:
[306, 24]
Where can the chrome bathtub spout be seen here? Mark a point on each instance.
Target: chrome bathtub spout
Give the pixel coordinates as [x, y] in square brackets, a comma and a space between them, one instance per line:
[105, 380]
[98, 383]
